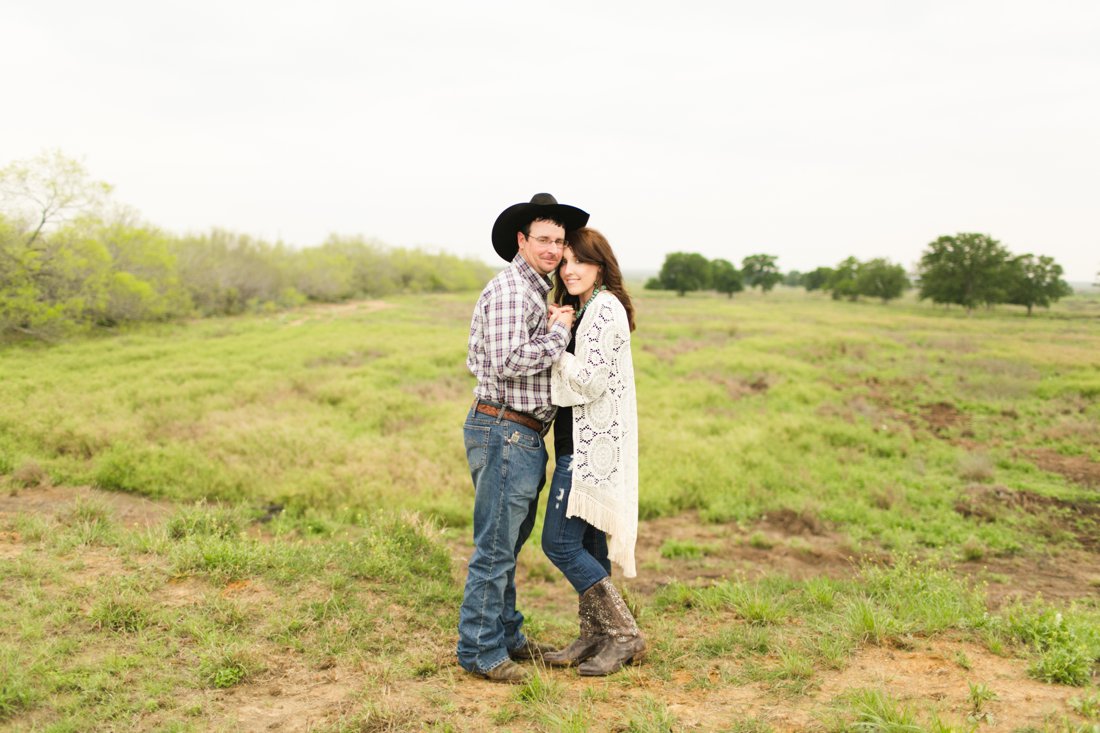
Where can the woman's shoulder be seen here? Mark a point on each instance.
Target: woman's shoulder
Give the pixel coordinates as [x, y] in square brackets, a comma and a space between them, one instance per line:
[608, 303]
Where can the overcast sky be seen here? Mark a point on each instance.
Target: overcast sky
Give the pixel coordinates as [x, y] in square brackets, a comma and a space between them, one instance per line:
[804, 129]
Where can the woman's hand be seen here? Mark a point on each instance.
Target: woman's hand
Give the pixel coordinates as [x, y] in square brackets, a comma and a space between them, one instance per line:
[562, 313]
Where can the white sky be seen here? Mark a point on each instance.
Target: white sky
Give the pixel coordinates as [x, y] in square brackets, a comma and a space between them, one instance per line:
[805, 129]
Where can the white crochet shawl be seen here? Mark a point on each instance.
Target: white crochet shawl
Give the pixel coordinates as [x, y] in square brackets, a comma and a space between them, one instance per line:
[598, 382]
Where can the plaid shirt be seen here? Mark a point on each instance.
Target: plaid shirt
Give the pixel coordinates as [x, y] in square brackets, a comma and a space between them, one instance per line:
[511, 349]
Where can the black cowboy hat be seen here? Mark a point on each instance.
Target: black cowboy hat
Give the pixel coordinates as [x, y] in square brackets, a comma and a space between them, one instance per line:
[517, 216]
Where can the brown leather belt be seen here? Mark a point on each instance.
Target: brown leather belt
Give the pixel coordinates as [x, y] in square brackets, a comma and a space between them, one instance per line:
[521, 417]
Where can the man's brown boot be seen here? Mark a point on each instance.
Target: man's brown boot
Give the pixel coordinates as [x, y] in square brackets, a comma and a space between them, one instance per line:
[508, 672]
[591, 635]
[531, 650]
[624, 643]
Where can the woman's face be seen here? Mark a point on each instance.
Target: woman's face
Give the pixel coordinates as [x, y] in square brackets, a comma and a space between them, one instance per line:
[579, 277]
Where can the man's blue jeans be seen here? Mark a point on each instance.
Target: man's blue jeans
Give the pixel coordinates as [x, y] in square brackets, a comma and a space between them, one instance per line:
[508, 466]
[576, 548]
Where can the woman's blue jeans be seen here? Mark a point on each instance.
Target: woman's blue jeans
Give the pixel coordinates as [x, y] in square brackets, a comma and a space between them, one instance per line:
[576, 548]
[508, 466]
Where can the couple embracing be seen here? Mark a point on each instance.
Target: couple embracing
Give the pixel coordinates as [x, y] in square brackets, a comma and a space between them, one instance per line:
[561, 370]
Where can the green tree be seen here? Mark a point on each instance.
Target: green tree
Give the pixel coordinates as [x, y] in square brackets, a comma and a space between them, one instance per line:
[48, 190]
[966, 269]
[227, 273]
[684, 271]
[18, 292]
[878, 278]
[725, 277]
[373, 272]
[54, 274]
[64, 284]
[761, 271]
[324, 273]
[1033, 281]
[844, 280]
[793, 279]
[817, 278]
[145, 285]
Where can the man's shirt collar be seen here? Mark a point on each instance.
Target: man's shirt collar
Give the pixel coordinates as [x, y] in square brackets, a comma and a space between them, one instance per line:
[528, 273]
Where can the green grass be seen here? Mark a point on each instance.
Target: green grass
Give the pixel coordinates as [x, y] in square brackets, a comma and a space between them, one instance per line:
[318, 493]
[877, 712]
[673, 548]
[814, 398]
[787, 630]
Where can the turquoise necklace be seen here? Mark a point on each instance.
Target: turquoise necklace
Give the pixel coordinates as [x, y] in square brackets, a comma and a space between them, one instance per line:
[595, 292]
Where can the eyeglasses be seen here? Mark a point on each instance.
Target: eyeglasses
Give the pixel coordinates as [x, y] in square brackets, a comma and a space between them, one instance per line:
[547, 241]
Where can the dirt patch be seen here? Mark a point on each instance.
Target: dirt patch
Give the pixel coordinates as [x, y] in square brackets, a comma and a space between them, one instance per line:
[127, 509]
[739, 386]
[790, 522]
[784, 542]
[91, 566]
[943, 418]
[933, 676]
[1078, 469]
[346, 359]
[1056, 517]
[1068, 576]
[181, 591]
[666, 351]
[291, 697]
[934, 673]
[338, 310]
[11, 545]
[1073, 429]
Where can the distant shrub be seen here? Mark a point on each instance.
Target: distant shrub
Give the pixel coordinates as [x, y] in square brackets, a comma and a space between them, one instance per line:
[976, 467]
[972, 549]
[760, 541]
[203, 521]
[119, 614]
[117, 471]
[1068, 647]
[30, 475]
[225, 668]
[1063, 665]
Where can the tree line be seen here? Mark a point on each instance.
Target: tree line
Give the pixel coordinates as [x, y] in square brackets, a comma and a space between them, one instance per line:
[690, 271]
[966, 269]
[70, 261]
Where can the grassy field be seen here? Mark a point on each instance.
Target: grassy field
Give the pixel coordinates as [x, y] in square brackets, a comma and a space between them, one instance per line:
[856, 517]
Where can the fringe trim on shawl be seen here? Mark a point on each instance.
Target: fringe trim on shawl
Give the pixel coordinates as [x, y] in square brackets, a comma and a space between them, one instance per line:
[621, 537]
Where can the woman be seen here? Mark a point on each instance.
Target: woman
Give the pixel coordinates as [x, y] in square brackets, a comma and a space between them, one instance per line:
[592, 511]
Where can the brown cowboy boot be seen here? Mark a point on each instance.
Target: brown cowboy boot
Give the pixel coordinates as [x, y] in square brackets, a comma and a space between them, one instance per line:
[508, 672]
[624, 643]
[530, 651]
[590, 639]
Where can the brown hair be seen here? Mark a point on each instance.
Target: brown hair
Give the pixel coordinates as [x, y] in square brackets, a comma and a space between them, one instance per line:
[590, 246]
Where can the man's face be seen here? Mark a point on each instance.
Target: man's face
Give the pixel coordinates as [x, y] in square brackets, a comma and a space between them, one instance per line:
[542, 248]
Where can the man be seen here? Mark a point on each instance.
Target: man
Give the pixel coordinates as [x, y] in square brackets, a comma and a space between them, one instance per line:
[511, 349]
